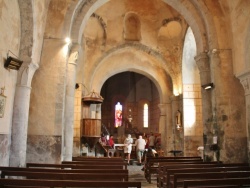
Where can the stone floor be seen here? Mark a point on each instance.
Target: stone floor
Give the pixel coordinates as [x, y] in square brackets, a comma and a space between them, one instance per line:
[136, 174]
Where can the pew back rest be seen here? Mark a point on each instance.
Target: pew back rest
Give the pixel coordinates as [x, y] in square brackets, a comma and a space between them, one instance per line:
[75, 166]
[216, 182]
[66, 176]
[178, 178]
[67, 183]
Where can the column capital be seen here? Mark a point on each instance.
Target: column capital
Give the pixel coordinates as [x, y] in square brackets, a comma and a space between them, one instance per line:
[245, 81]
[201, 56]
[175, 98]
[74, 52]
[25, 74]
[202, 61]
[163, 108]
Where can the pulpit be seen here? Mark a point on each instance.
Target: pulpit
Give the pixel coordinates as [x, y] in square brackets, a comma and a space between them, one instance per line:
[90, 132]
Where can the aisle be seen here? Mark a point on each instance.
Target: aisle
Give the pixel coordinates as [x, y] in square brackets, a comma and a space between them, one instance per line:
[136, 174]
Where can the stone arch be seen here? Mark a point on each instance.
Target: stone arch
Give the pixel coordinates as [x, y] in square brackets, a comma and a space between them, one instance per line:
[26, 41]
[79, 18]
[143, 48]
[247, 49]
[187, 9]
[132, 27]
[159, 77]
[103, 25]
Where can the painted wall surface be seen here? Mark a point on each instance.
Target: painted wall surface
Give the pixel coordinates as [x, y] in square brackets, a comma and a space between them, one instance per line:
[10, 41]
[47, 97]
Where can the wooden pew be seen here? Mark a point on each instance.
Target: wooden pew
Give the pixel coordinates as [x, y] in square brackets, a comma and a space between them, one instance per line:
[122, 163]
[97, 158]
[162, 168]
[66, 183]
[66, 176]
[167, 170]
[63, 170]
[152, 164]
[74, 166]
[238, 182]
[179, 178]
[170, 172]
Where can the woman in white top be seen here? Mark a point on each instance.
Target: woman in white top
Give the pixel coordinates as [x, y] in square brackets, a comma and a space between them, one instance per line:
[128, 147]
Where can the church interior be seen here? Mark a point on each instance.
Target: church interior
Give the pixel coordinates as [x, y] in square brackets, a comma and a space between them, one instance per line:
[72, 70]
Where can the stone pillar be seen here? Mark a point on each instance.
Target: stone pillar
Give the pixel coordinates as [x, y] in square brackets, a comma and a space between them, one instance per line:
[163, 126]
[21, 116]
[177, 135]
[202, 62]
[228, 126]
[69, 104]
[245, 81]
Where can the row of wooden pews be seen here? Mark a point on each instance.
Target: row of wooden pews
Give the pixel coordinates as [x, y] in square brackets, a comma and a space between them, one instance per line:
[175, 172]
[152, 164]
[112, 172]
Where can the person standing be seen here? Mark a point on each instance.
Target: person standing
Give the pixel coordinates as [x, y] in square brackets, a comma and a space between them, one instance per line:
[111, 141]
[140, 144]
[128, 147]
[151, 140]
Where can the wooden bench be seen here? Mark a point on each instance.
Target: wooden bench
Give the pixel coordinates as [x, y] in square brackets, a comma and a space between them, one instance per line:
[226, 182]
[74, 166]
[163, 168]
[97, 158]
[66, 183]
[152, 165]
[179, 178]
[66, 175]
[63, 170]
[122, 163]
[170, 172]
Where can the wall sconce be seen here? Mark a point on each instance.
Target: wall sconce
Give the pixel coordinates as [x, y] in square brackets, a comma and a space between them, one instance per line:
[12, 63]
[208, 86]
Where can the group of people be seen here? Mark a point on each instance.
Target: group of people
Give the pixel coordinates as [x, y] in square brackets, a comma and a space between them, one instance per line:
[104, 141]
[143, 146]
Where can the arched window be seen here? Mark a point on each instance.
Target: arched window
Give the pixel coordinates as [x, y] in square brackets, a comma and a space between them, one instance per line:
[132, 27]
[118, 115]
[145, 115]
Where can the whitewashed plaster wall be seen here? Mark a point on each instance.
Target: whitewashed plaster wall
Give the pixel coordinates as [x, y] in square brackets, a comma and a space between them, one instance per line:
[40, 18]
[10, 40]
[240, 11]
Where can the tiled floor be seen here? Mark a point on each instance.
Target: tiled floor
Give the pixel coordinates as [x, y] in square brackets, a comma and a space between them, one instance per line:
[136, 174]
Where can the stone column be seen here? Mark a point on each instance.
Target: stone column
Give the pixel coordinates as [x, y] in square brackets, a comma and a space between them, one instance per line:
[177, 135]
[245, 81]
[228, 126]
[21, 116]
[69, 104]
[163, 126]
[202, 62]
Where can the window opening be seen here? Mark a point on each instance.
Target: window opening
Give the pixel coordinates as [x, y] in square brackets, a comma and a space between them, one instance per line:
[118, 115]
[145, 116]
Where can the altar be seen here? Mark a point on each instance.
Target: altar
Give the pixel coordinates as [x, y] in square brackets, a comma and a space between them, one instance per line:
[119, 148]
